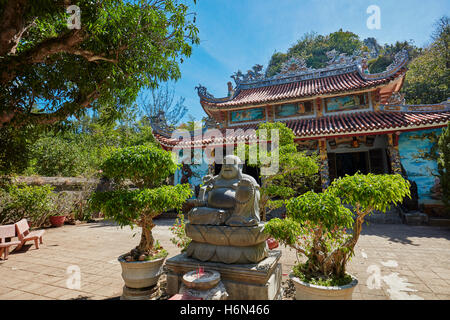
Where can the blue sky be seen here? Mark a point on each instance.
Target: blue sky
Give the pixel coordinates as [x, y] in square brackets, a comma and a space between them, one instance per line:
[237, 34]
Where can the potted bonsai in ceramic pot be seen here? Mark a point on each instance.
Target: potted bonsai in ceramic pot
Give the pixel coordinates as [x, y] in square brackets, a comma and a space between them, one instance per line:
[147, 167]
[320, 228]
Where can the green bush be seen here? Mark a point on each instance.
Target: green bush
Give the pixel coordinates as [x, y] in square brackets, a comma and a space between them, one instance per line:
[318, 225]
[35, 203]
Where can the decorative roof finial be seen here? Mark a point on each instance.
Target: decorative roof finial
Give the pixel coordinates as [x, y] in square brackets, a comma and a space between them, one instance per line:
[294, 65]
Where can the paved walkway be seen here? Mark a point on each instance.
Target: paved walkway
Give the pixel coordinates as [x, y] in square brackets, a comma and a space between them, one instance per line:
[391, 262]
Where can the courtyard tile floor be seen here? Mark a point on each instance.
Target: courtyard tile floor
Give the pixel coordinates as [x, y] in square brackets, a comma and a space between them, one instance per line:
[391, 262]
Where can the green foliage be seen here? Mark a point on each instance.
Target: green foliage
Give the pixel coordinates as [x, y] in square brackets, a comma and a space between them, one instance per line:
[444, 164]
[160, 252]
[371, 192]
[320, 208]
[428, 78]
[179, 231]
[35, 203]
[146, 166]
[317, 224]
[15, 149]
[60, 156]
[126, 207]
[286, 230]
[313, 48]
[296, 172]
[387, 54]
[122, 47]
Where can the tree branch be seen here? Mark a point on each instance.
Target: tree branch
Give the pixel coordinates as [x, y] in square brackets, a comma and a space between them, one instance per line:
[16, 116]
[63, 43]
[12, 25]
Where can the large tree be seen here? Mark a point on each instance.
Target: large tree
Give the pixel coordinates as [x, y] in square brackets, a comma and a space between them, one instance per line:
[49, 72]
[428, 77]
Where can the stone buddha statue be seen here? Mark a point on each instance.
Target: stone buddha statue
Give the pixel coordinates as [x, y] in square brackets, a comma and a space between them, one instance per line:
[224, 223]
[230, 198]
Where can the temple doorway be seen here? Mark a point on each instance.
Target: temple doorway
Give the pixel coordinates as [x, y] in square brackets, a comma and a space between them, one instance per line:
[350, 163]
[371, 161]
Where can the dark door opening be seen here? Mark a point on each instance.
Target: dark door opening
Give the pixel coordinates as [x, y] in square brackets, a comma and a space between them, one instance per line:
[350, 163]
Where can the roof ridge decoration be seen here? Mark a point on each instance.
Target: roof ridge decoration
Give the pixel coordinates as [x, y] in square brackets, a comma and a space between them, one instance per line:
[295, 70]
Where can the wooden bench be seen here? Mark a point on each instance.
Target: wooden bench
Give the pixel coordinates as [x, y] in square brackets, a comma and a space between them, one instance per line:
[24, 234]
[6, 233]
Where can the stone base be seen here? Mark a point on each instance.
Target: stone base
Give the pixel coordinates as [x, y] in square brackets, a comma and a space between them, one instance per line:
[150, 293]
[216, 293]
[258, 281]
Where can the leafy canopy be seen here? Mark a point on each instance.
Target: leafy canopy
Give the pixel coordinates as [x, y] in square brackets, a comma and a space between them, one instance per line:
[371, 192]
[317, 224]
[146, 165]
[126, 206]
[296, 172]
[428, 78]
[51, 72]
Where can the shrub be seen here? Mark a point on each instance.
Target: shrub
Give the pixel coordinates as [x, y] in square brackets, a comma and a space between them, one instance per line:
[35, 203]
[147, 167]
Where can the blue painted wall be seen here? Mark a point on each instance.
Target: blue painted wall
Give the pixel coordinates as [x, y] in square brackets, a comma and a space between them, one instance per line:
[418, 157]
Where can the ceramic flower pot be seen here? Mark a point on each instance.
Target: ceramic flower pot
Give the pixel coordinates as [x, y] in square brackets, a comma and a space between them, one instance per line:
[308, 291]
[141, 274]
[57, 221]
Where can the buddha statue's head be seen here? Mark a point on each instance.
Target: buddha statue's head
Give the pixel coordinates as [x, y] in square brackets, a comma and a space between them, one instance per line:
[231, 167]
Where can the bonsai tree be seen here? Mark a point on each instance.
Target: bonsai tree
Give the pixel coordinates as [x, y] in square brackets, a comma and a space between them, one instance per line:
[319, 227]
[147, 167]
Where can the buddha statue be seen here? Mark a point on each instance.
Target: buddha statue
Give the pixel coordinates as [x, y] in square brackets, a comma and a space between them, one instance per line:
[230, 198]
[224, 222]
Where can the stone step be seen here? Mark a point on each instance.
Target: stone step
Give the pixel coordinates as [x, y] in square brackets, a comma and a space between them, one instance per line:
[439, 222]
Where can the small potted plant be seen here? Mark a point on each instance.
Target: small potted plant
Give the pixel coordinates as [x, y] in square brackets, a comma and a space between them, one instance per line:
[148, 168]
[57, 220]
[321, 229]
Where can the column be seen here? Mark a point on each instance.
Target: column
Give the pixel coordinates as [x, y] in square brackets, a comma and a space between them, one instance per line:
[394, 155]
[323, 164]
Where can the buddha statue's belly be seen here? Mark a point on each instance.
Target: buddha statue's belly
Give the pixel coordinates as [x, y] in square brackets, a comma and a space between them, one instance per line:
[222, 198]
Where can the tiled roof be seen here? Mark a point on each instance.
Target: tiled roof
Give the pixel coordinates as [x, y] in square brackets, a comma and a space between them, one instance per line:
[307, 88]
[368, 122]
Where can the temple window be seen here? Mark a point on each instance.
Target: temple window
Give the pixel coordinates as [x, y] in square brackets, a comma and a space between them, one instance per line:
[294, 109]
[347, 103]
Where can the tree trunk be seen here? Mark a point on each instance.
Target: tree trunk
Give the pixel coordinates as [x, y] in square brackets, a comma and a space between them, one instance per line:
[147, 241]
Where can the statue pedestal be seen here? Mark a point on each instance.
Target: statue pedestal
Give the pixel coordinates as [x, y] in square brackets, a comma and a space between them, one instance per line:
[258, 281]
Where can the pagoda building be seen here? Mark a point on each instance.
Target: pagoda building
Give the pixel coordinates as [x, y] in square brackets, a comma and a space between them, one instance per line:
[355, 120]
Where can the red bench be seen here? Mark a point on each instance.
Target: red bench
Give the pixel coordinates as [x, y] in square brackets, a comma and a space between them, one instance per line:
[6, 233]
[24, 234]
